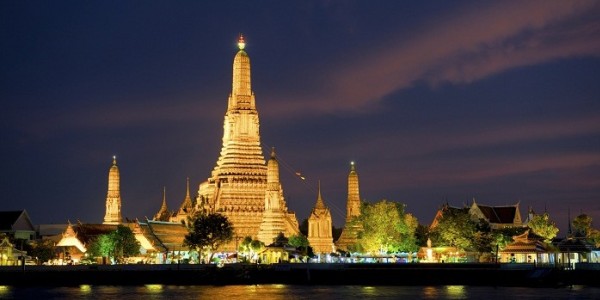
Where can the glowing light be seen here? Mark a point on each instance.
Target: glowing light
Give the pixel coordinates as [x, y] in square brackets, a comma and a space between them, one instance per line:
[352, 163]
[4, 289]
[85, 288]
[457, 291]
[154, 288]
[241, 42]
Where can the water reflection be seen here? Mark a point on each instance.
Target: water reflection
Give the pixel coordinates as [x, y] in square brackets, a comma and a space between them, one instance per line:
[85, 289]
[291, 292]
[430, 292]
[4, 290]
[456, 291]
[154, 288]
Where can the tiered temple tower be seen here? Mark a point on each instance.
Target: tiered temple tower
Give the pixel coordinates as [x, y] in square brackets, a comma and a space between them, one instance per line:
[319, 227]
[237, 185]
[113, 196]
[276, 218]
[350, 231]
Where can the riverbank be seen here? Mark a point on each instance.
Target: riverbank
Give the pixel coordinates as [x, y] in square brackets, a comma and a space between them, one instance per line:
[308, 274]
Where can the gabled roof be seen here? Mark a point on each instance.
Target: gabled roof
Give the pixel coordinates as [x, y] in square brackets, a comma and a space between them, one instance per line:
[169, 234]
[11, 219]
[499, 214]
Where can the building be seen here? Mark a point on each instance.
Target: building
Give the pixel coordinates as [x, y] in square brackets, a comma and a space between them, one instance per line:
[527, 248]
[187, 207]
[17, 224]
[237, 185]
[113, 196]
[497, 216]
[319, 227]
[349, 234]
[163, 213]
[276, 218]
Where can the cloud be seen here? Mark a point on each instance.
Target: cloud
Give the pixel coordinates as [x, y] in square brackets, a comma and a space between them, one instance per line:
[462, 47]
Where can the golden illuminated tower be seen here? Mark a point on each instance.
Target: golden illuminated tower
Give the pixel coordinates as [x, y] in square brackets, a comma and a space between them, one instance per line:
[113, 196]
[237, 185]
[276, 217]
[319, 227]
[163, 213]
[350, 231]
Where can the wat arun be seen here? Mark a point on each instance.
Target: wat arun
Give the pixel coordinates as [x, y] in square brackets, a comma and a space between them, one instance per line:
[238, 186]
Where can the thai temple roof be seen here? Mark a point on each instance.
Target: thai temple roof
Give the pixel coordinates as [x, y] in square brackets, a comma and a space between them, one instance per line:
[499, 214]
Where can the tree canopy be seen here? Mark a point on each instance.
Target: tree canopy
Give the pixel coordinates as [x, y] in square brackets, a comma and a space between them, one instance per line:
[582, 224]
[543, 226]
[119, 243]
[386, 228]
[207, 232]
[456, 229]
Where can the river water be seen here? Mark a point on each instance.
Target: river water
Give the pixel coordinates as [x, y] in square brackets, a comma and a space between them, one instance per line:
[287, 292]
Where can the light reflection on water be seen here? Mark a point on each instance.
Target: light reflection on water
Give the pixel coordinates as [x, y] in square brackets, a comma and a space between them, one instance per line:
[287, 292]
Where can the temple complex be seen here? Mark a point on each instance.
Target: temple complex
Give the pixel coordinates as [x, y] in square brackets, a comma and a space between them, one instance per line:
[237, 185]
[276, 217]
[113, 196]
[319, 227]
[350, 231]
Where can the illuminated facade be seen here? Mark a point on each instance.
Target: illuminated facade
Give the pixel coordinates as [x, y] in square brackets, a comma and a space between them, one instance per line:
[113, 196]
[350, 231]
[320, 236]
[276, 217]
[237, 185]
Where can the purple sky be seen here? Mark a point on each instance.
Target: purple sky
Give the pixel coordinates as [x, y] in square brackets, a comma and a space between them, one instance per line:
[435, 101]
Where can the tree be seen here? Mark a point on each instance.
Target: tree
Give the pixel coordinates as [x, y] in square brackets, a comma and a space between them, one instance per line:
[582, 224]
[102, 246]
[207, 232]
[299, 241]
[125, 242]
[543, 226]
[43, 250]
[119, 243]
[583, 227]
[504, 236]
[456, 229]
[386, 228]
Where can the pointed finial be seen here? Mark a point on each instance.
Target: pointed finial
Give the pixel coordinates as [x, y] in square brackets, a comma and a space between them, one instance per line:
[114, 160]
[241, 42]
[352, 166]
[187, 193]
[320, 203]
[272, 152]
[569, 231]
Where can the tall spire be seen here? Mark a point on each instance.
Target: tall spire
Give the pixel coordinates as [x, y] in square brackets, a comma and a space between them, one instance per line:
[113, 195]
[242, 96]
[350, 232]
[353, 201]
[186, 206]
[163, 213]
[320, 204]
[570, 231]
[163, 207]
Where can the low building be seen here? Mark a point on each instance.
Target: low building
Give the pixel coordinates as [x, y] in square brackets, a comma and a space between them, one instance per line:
[528, 248]
[17, 225]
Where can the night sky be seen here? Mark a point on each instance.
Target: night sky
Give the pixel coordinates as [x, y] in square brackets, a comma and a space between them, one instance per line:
[435, 102]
